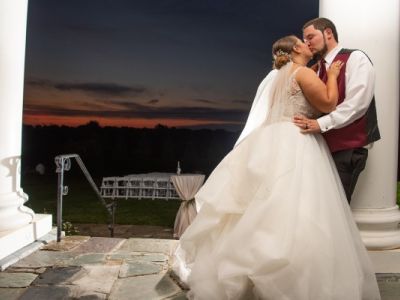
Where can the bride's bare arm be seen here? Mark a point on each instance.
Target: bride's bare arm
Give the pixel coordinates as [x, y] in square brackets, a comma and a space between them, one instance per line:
[322, 97]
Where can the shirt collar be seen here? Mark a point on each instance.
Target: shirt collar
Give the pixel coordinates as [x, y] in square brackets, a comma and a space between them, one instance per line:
[332, 54]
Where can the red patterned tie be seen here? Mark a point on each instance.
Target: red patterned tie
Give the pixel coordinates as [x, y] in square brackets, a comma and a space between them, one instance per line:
[322, 70]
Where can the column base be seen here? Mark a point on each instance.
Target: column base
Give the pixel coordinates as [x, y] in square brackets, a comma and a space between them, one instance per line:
[13, 240]
[13, 213]
[379, 227]
[385, 261]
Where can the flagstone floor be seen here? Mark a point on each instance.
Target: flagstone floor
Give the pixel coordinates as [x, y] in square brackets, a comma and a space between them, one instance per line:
[91, 268]
[81, 267]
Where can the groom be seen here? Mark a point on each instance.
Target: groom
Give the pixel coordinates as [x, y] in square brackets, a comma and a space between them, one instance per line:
[352, 126]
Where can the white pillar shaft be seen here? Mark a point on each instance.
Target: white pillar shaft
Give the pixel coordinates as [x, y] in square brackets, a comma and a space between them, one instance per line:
[13, 18]
[374, 27]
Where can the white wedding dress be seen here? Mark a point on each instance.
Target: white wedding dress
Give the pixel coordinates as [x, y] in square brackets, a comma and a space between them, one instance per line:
[274, 221]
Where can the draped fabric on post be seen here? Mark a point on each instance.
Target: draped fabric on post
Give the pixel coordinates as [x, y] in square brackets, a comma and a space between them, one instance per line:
[186, 186]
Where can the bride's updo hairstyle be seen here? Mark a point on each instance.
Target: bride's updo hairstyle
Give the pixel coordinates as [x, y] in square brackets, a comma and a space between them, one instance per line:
[281, 50]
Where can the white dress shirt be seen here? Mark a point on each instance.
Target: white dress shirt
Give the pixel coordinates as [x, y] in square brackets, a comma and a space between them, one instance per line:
[360, 85]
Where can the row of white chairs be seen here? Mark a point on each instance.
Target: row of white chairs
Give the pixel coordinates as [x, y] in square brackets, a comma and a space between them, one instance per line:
[138, 187]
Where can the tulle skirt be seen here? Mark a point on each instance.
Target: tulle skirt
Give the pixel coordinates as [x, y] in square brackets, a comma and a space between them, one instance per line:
[274, 224]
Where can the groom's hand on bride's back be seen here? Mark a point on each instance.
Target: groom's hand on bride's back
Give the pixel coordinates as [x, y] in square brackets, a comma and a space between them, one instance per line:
[306, 125]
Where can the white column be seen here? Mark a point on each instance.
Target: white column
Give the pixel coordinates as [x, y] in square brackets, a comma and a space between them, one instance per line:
[373, 26]
[13, 17]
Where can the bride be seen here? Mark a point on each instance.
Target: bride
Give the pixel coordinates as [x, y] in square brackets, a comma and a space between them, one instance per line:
[274, 221]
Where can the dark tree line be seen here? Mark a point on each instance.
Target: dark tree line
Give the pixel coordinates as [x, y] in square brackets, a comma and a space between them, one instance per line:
[112, 151]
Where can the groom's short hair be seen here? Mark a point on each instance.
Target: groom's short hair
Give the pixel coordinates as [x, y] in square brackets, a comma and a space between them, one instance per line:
[322, 24]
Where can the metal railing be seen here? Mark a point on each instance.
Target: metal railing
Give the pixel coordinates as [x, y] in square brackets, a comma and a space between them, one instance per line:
[63, 163]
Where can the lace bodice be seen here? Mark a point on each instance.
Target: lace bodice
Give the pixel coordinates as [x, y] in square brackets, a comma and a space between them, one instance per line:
[292, 102]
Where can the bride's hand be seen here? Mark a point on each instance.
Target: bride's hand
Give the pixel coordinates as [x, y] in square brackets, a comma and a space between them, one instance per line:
[335, 67]
[306, 125]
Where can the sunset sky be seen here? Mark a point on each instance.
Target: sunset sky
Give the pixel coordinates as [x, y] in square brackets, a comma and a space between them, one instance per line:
[137, 63]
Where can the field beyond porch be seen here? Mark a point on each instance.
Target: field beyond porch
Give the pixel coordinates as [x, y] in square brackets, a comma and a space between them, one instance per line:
[87, 216]
[84, 213]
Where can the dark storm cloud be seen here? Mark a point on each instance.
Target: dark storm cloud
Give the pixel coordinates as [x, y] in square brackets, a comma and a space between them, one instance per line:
[204, 113]
[133, 109]
[43, 83]
[153, 101]
[205, 101]
[101, 88]
[112, 89]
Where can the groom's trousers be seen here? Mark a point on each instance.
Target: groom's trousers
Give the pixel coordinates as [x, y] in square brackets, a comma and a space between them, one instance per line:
[349, 164]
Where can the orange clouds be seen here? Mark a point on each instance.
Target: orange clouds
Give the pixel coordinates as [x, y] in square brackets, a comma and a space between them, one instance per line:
[115, 122]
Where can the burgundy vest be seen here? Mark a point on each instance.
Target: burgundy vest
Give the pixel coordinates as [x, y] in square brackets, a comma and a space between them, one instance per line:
[363, 130]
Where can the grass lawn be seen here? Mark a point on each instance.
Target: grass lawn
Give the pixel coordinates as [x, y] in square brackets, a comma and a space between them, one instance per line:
[81, 205]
